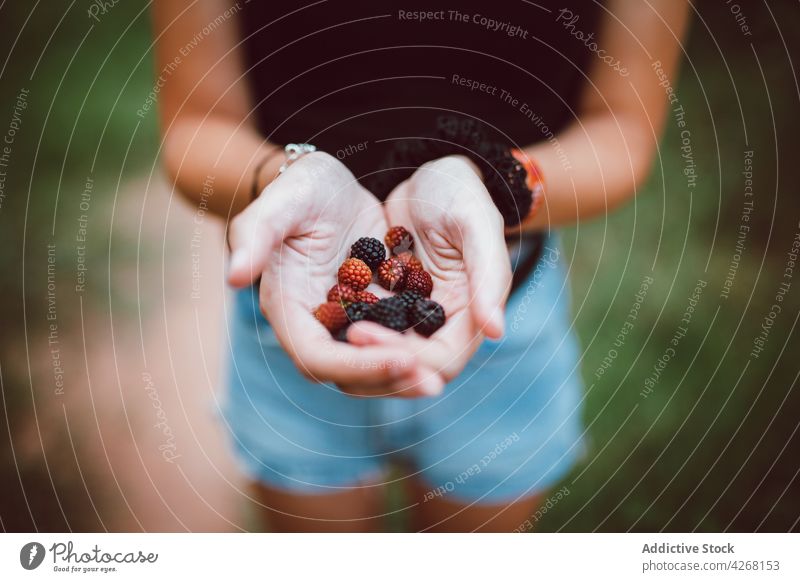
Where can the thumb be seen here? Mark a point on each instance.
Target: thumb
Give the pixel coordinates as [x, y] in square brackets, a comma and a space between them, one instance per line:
[488, 271]
[253, 234]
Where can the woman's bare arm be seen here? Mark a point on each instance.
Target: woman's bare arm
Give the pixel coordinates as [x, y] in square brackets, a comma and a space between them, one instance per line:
[608, 151]
[204, 106]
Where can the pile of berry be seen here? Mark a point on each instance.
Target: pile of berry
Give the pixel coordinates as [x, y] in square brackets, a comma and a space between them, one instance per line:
[400, 272]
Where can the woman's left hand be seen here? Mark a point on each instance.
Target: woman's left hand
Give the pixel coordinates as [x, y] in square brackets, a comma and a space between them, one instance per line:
[294, 236]
[458, 235]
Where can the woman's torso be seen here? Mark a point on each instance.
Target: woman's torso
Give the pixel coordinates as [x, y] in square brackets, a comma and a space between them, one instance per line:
[346, 75]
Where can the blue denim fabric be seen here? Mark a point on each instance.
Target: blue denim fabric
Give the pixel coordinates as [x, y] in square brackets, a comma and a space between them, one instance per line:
[509, 426]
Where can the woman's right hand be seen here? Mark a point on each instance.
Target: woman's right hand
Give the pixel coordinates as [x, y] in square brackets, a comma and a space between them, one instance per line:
[294, 236]
[458, 234]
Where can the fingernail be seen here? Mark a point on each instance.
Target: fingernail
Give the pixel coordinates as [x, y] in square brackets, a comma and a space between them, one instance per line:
[432, 386]
[238, 260]
[500, 323]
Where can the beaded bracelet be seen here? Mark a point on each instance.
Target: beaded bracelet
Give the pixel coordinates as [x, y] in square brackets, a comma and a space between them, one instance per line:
[293, 152]
[534, 180]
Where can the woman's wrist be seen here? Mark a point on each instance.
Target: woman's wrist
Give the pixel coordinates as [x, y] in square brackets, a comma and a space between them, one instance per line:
[544, 168]
[275, 163]
[266, 170]
[534, 181]
[514, 182]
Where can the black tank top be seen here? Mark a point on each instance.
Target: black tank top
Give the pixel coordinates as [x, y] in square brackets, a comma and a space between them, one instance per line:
[345, 75]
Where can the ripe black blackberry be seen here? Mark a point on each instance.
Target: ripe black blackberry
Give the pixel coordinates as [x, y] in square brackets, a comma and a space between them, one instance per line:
[357, 311]
[409, 298]
[426, 316]
[509, 178]
[370, 250]
[341, 335]
[389, 312]
[466, 132]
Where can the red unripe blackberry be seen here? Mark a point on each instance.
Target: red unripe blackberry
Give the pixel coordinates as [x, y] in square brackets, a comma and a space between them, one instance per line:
[426, 316]
[331, 315]
[389, 312]
[391, 274]
[342, 294]
[355, 273]
[398, 239]
[409, 260]
[370, 250]
[365, 297]
[419, 281]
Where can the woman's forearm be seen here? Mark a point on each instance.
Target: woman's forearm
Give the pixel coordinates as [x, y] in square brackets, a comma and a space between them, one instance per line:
[214, 161]
[591, 167]
[603, 157]
[211, 147]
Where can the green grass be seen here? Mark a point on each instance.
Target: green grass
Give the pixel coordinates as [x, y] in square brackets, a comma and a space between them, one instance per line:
[694, 452]
[79, 119]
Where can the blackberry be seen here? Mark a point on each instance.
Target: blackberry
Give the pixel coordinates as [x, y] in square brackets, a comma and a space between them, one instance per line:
[399, 240]
[391, 274]
[426, 316]
[355, 273]
[389, 312]
[409, 260]
[331, 315]
[365, 297]
[341, 294]
[409, 298]
[341, 335]
[488, 155]
[507, 182]
[464, 131]
[370, 250]
[419, 281]
[357, 311]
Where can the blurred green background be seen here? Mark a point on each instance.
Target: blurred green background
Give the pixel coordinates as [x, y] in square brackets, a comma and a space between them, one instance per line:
[713, 447]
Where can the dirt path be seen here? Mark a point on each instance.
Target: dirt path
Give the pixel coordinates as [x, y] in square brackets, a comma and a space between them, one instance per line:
[141, 398]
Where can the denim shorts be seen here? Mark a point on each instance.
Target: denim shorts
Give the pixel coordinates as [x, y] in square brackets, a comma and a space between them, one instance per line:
[509, 426]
